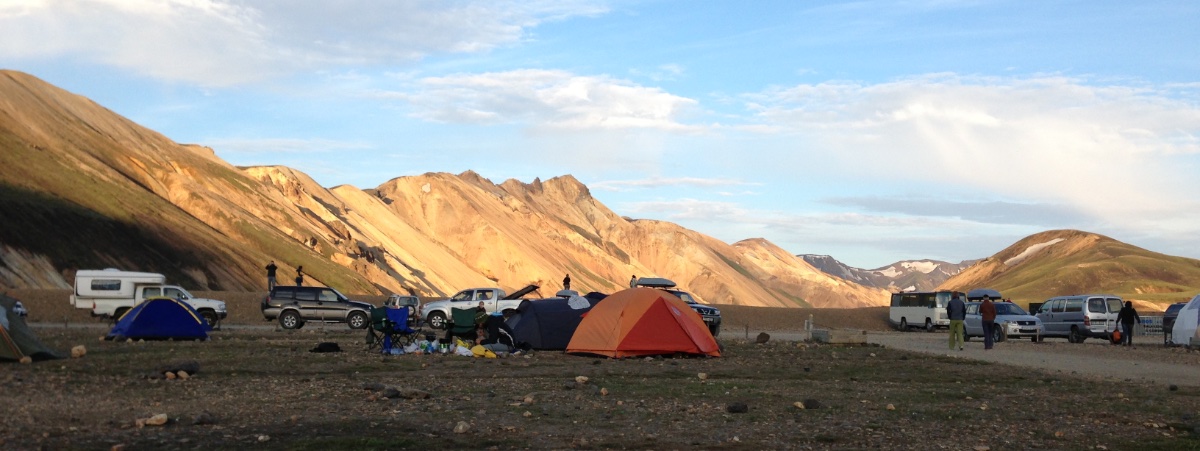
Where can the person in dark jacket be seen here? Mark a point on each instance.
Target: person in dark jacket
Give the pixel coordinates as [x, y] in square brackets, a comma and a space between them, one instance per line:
[300, 275]
[987, 310]
[271, 268]
[567, 282]
[1127, 318]
[956, 311]
[499, 336]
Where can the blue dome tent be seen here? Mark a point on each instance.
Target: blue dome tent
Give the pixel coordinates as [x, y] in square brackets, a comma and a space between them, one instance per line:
[160, 319]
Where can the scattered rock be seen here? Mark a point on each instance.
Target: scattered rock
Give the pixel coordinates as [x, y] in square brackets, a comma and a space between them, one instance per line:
[390, 393]
[763, 337]
[26, 360]
[118, 447]
[581, 379]
[527, 414]
[373, 386]
[78, 351]
[462, 427]
[891, 407]
[183, 375]
[812, 404]
[702, 376]
[170, 375]
[798, 405]
[529, 399]
[1173, 387]
[264, 438]
[156, 420]
[737, 407]
[603, 391]
[412, 393]
[204, 418]
[190, 366]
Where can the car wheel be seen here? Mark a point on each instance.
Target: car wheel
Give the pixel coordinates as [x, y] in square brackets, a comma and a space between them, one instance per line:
[357, 320]
[290, 320]
[1035, 339]
[1075, 336]
[715, 329]
[437, 320]
[119, 313]
[966, 337]
[904, 324]
[210, 317]
[929, 325]
[998, 335]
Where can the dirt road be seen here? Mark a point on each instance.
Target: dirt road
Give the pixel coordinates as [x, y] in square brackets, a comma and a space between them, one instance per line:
[1150, 362]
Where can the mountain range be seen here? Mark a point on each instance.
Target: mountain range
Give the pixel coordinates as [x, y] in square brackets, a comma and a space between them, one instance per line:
[907, 275]
[83, 187]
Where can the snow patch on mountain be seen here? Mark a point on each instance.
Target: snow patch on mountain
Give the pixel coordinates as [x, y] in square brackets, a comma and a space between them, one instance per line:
[1030, 251]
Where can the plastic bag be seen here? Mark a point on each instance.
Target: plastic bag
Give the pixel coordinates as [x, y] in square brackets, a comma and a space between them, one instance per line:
[464, 351]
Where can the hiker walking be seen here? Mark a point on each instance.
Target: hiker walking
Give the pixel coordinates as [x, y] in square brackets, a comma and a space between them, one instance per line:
[956, 310]
[988, 311]
[300, 275]
[567, 282]
[1127, 318]
[271, 275]
[633, 281]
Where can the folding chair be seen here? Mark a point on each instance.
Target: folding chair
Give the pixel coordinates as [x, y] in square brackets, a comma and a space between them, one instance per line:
[462, 324]
[389, 327]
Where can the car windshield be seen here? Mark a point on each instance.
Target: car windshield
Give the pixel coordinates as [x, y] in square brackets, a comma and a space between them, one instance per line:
[1004, 308]
[683, 295]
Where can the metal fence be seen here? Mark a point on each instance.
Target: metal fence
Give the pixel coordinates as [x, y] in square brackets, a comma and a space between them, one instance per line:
[1150, 325]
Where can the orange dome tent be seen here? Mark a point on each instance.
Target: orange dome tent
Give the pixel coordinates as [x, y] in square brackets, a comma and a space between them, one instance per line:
[642, 321]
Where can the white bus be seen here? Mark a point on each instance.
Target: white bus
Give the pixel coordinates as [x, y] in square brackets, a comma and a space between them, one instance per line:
[925, 309]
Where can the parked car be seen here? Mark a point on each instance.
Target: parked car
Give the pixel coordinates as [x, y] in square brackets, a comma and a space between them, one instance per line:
[437, 313]
[20, 310]
[1011, 322]
[412, 303]
[1169, 317]
[295, 305]
[711, 315]
[1078, 317]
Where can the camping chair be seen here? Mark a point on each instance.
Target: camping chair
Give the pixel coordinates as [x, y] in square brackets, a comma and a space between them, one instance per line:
[462, 324]
[389, 328]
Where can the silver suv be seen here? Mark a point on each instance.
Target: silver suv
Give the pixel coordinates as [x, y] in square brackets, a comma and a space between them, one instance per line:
[1081, 316]
[711, 315]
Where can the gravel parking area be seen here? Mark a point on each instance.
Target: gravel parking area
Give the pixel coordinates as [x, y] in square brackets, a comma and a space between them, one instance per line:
[1148, 362]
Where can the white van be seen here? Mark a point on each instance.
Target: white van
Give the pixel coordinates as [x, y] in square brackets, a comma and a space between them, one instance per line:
[111, 292]
[1080, 316]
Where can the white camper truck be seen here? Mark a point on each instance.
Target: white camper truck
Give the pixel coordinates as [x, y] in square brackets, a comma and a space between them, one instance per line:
[111, 292]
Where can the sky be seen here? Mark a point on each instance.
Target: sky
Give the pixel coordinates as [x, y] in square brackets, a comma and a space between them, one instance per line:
[872, 131]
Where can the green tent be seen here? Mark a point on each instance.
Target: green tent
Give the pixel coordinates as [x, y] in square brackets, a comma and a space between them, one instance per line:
[16, 339]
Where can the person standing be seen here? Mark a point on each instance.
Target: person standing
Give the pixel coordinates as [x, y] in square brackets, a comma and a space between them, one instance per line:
[1127, 318]
[987, 310]
[956, 310]
[300, 275]
[567, 282]
[271, 275]
[633, 281]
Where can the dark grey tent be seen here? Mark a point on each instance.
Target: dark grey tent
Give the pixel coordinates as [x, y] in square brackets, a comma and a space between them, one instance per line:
[548, 324]
[16, 339]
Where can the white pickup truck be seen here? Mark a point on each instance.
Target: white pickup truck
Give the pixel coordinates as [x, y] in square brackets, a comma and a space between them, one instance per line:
[109, 293]
[494, 300]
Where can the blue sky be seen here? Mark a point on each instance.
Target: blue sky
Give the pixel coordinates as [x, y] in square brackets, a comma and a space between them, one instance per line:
[873, 131]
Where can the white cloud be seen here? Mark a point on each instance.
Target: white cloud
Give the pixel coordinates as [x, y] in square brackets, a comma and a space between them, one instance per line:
[1119, 152]
[548, 98]
[225, 42]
